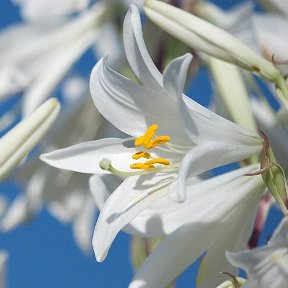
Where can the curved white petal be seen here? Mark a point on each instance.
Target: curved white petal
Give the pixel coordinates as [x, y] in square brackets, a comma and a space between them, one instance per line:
[174, 76]
[127, 201]
[102, 186]
[177, 251]
[234, 237]
[136, 51]
[137, 106]
[195, 238]
[207, 156]
[280, 236]
[85, 157]
[83, 225]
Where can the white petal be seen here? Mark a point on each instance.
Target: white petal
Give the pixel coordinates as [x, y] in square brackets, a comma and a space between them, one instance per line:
[271, 34]
[174, 76]
[165, 216]
[203, 125]
[198, 236]
[234, 237]
[137, 106]
[280, 236]
[47, 81]
[128, 200]
[20, 140]
[136, 51]
[3, 260]
[176, 257]
[207, 156]
[83, 225]
[85, 157]
[102, 186]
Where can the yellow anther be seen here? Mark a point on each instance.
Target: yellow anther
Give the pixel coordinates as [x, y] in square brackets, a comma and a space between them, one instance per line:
[158, 161]
[158, 141]
[141, 154]
[145, 140]
[139, 141]
[149, 134]
[142, 166]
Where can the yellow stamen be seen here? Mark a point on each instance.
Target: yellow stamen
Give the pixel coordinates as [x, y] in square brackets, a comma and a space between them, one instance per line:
[139, 141]
[158, 161]
[141, 154]
[144, 140]
[158, 141]
[142, 166]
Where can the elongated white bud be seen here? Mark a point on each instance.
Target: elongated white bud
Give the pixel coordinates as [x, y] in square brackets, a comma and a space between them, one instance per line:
[203, 36]
[20, 140]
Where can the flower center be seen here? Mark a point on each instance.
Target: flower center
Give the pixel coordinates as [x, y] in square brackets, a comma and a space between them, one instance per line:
[149, 141]
[151, 165]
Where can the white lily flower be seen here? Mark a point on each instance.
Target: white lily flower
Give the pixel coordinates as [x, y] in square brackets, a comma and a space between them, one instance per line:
[211, 220]
[3, 260]
[20, 140]
[193, 137]
[267, 267]
[208, 38]
[54, 46]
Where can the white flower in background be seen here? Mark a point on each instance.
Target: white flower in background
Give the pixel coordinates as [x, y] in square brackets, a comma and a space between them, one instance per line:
[210, 220]
[3, 260]
[232, 283]
[237, 21]
[276, 133]
[63, 193]
[279, 6]
[187, 139]
[204, 36]
[43, 11]
[267, 267]
[20, 140]
[271, 34]
[46, 54]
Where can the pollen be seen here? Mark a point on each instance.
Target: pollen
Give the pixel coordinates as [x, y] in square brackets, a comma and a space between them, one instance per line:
[147, 140]
[158, 161]
[142, 166]
[141, 154]
[158, 141]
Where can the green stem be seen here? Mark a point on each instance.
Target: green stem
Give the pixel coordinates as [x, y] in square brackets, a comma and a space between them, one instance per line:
[282, 86]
